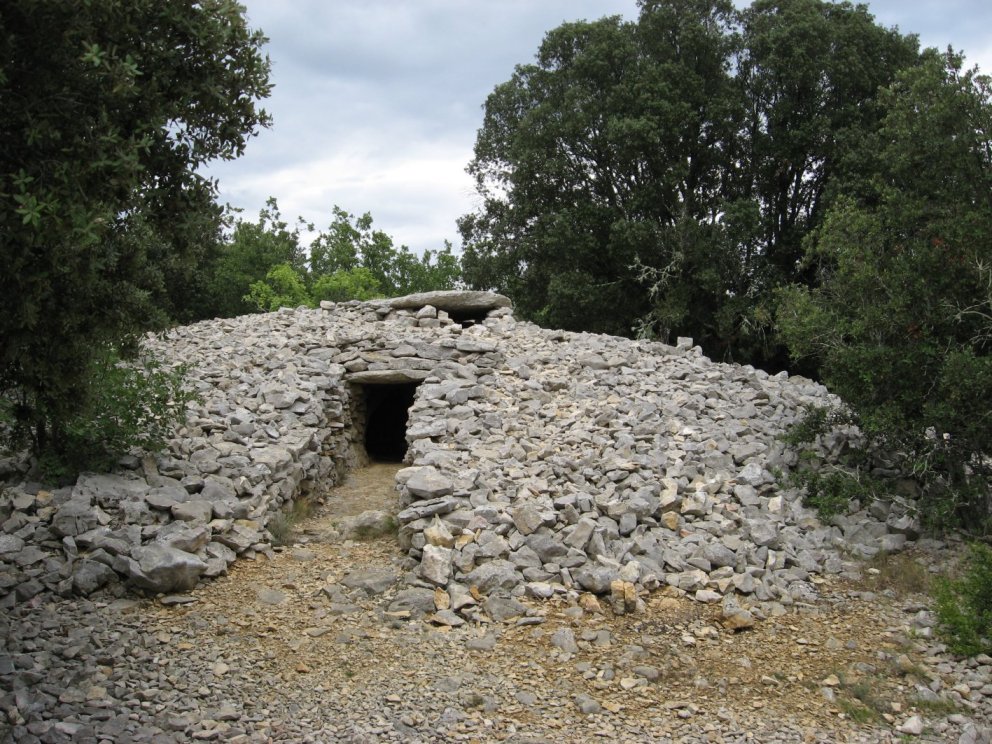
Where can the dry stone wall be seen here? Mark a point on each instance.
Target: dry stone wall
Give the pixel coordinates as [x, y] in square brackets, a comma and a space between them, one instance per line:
[540, 462]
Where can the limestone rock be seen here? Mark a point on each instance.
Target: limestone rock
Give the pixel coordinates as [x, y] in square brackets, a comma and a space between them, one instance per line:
[435, 566]
[428, 483]
[736, 618]
[108, 489]
[370, 581]
[452, 301]
[439, 535]
[164, 569]
[396, 376]
[596, 579]
[564, 639]
[501, 609]
[75, 517]
[528, 518]
[88, 576]
[197, 511]
[498, 574]
[415, 601]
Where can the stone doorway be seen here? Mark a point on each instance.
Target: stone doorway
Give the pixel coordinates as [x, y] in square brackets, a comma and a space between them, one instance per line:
[387, 410]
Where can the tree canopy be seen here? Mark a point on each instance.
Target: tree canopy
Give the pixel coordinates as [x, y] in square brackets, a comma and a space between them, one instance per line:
[659, 176]
[264, 266]
[900, 322]
[107, 111]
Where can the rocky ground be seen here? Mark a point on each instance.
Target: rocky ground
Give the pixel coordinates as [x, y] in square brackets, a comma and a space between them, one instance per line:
[323, 641]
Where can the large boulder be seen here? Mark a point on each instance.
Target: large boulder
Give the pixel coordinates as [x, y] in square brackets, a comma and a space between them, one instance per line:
[161, 568]
[75, 517]
[108, 490]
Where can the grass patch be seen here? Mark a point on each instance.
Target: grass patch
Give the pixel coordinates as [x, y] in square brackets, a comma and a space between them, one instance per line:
[939, 707]
[859, 700]
[864, 692]
[899, 573]
[283, 525]
[365, 532]
[857, 712]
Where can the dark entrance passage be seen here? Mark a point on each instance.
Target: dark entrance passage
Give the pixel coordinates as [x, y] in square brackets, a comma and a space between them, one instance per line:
[387, 410]
[466, 318]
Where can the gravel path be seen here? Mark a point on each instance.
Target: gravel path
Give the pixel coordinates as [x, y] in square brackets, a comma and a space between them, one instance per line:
[313, 644]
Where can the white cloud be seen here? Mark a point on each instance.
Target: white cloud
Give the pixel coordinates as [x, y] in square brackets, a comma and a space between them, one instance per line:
[414, 194]
[376, 104]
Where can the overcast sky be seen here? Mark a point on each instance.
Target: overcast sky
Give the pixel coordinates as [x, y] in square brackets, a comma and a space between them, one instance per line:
[377, 103]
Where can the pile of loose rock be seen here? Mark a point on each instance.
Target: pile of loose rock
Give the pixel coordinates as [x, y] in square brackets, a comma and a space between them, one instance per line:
[539, 461]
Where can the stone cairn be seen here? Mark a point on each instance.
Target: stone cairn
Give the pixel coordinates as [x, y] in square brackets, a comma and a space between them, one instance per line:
[540, 462]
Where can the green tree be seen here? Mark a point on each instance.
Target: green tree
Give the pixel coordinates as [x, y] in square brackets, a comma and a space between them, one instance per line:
[351, 243]
[247, 255]
[343, 285]
[282, 287]
[428, 272]
[900, 323]
[601, 157]
[808, 73]
[658, 176]
[107, 110]
[262, 265]
[340, 247]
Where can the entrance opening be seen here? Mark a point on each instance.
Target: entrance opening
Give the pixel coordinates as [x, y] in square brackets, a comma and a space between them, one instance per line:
[466, 318]
[387, 409]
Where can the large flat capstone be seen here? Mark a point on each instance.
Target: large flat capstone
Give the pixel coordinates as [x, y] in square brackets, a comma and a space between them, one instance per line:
[387, 376]
[453, 301]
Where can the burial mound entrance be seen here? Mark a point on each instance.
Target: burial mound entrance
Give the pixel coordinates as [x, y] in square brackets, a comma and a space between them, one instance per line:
[387, 410]
[466, 318]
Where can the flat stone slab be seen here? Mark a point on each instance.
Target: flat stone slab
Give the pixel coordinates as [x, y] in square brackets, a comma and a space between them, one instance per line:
[452, 301]
[387, 376]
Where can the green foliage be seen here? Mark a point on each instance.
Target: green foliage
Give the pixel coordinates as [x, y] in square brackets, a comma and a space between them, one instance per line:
[108, 111]
[282, 287]
[366, 263]
[356, 283]
[829, 493]
[263, 266]
[830, 488]
[858, 712]
[658, 177]
[899, 323]
[128, 405]
[599, 158]
[251, 251]
[964, 604]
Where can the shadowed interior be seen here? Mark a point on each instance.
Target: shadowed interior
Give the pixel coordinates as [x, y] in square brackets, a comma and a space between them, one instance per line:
[468, 318]
[387, 411]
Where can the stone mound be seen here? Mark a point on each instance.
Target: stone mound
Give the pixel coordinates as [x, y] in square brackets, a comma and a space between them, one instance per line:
[540, 462]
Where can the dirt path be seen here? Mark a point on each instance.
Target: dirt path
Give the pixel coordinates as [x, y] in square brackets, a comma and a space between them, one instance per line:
[307, 659]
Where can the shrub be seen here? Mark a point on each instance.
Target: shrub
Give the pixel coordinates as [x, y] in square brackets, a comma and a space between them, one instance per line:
[128, 404]
[831, 489]
[283, 287]
[357, 283]
[964, 604]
